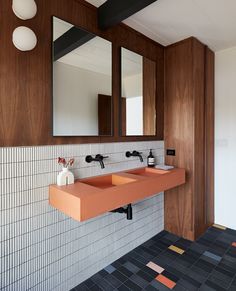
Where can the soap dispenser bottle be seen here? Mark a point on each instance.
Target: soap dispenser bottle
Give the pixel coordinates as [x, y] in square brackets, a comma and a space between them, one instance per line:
[150, 160]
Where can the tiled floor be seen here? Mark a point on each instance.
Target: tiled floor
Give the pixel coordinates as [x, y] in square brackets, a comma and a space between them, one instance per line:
[168, 262]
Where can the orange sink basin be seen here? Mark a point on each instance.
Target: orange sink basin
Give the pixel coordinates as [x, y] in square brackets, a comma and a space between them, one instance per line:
[93, 196]
[147, 172]
[108, 181]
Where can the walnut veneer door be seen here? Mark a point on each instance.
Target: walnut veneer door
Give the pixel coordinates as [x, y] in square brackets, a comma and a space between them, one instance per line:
[104, 115]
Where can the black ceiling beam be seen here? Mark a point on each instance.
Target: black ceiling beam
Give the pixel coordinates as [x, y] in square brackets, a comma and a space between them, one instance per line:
[69, 41]
[113, 12]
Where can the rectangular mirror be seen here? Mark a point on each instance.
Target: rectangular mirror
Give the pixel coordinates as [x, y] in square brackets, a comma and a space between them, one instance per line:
[138, 100]
[82, 82]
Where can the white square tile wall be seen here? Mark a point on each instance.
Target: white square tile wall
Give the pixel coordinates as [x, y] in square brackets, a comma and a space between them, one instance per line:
[43, 249]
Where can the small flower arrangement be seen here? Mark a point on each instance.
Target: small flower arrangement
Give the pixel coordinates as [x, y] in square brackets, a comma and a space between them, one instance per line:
[64, 163]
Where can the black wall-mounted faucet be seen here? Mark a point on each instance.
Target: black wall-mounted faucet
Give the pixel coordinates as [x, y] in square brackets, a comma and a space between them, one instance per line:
[98, 158]
[134, 154]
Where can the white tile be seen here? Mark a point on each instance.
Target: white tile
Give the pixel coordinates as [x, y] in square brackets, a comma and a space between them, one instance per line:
[42, 248]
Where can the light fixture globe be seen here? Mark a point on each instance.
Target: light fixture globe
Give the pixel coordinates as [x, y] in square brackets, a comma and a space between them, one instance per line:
[24, 38]
[24, 9]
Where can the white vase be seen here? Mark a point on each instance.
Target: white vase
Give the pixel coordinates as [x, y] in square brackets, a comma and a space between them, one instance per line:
[65, 177]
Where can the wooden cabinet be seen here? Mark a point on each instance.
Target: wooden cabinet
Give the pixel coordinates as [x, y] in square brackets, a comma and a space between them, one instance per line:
[189, 129]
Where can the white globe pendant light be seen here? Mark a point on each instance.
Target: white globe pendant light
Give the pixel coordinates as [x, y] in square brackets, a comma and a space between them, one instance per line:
[24, 9]
[24, 39]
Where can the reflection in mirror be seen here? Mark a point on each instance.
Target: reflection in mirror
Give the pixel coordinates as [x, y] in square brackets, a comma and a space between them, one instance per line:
[138, 100]
[82, 68]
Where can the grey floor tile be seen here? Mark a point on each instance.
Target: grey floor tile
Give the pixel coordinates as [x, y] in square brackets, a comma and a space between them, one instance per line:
[131, 267]
[209, 264]
[139, 281]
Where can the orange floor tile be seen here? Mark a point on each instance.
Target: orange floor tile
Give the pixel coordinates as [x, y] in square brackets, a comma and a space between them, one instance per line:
[165, 281]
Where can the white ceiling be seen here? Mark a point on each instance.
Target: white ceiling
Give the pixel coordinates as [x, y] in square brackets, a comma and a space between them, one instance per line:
[95, 55]
[166, 21]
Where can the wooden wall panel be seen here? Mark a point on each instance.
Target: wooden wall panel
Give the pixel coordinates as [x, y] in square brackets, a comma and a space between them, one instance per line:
[179, 131]
[209, 134]
[26, 77]
[189, 128]
[198, 95]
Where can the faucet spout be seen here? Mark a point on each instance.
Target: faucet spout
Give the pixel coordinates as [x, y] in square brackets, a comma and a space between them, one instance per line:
[134, 154]
[98, 158]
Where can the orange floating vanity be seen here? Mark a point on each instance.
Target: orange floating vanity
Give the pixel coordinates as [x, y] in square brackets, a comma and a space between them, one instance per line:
[93, 196]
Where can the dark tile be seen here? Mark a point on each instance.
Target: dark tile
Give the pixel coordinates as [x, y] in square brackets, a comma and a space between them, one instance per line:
[103, 273]
[160, 245]
[205, 242]
[130, 284]
[198, 248]
[226, 267]
[136, 263]
[149, 271]
[162, 261]
[116, 264]
[178, 287]
[187, 285]
[231, 232]
[193, 254]
[184, 262]
[122, 278]
[175, 272]
[113, 280]
[195, 270]
[81, 287]
[149, 243]
[159, 286]
[145, 276]
[125, 271]
[170, 276]
[206, 266]
[205, 287]
[89, 283]
[123, 288]
[214, 286]
[131, 267]
[104, 285]
[160, 235]
[183, 243]
[95, 288]
[139, 258]
[223, 274]
[200, 278]
[172, 237]
[139, 281]
[192, 281]
[96, 277]
[150, 288]
[219, 282]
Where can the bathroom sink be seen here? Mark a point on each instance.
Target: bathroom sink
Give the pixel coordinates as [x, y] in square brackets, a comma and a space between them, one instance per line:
[90, 197]
[147, 172]
[107, 181]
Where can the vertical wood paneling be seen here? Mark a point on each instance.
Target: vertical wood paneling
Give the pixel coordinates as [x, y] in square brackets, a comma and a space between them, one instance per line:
[189, 123]
[26, 77]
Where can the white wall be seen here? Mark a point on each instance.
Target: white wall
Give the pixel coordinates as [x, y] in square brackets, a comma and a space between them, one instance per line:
[132, 86]
[75, 100]
[43, 249]
[134, 116]
[225, 135]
